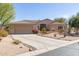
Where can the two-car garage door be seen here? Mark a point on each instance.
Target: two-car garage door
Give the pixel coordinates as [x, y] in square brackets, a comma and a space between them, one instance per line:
[22, 28]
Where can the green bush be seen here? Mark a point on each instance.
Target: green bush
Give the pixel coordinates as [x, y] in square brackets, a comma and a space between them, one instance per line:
[61, 31]
[3, 33]
[16, 42]
[43, 30]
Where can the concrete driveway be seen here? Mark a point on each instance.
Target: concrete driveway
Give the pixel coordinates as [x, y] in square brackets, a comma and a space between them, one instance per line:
[42, 44]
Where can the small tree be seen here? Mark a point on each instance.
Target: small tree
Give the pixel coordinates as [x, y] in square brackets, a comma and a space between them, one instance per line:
[6, 14]
[60, 20]
[74, 22]
[70, 24]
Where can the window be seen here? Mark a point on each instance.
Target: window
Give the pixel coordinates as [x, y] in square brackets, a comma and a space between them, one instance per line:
[60, 27]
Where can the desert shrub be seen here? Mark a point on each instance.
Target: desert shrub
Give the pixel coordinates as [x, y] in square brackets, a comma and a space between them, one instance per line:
[61, 31]
[54, 35]
[3, 33]
[30, 49]
[16, 42]
[43, 30]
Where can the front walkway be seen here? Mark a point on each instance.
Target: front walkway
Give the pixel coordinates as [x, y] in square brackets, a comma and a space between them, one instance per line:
[42, 44]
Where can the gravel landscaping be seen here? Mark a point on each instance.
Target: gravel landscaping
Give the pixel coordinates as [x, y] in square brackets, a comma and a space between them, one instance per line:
[7, 48]
[60, 37]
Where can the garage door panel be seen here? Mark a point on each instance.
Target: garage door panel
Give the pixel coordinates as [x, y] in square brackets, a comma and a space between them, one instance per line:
[23, 29]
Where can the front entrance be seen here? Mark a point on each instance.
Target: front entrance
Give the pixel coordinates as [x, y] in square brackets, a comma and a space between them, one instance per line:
[43, 26]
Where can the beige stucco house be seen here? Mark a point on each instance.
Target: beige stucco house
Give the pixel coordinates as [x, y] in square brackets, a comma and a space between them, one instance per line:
[26, 26]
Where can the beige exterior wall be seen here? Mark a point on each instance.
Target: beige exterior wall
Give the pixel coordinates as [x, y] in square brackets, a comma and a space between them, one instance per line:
[21, 28]
[54, 27]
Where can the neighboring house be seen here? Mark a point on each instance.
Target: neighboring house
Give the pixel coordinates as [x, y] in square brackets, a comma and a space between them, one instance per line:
[26, 26]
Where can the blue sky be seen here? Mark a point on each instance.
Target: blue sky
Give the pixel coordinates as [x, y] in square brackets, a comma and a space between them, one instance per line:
[36, 11]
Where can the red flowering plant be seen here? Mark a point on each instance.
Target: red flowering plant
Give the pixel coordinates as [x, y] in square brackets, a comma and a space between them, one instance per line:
[34, 31]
